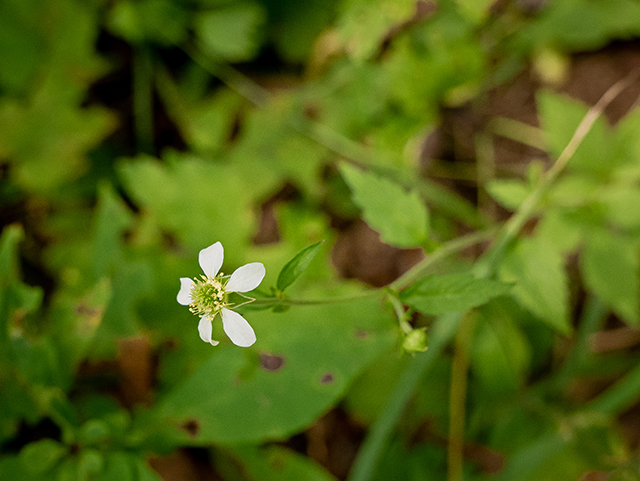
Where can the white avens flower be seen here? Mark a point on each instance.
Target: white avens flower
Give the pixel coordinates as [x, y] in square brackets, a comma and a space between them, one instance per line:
[208, 295]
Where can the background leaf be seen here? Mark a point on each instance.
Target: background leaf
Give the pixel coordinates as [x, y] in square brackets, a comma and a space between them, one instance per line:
[537, 269]
[231, 32]
[436, 294]
[611, 268]
[401, 217]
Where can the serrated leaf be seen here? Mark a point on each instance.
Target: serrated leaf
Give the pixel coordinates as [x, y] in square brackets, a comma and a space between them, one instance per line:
[296, 266]
[537, 269]
[610, 266]
[451, 293]
[399, 216]
[560, 117]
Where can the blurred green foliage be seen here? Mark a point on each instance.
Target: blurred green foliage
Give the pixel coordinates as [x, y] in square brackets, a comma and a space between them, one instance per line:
[134, 133]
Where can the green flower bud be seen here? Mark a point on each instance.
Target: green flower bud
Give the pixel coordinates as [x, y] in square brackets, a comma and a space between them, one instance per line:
[416, 341]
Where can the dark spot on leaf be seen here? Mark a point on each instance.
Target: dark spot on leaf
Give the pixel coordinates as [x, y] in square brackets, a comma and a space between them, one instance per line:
[271, 362]
[191, 426]
[327, 378]
[362, 334]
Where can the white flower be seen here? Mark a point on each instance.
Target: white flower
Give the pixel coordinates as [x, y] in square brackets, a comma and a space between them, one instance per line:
[207, 296]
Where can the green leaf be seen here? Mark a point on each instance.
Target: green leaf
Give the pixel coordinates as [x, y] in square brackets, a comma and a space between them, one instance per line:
[401, 217]
[138, 21]
[610, 266]
[16, 298]
[509, 192]
[560, 117]
[537, 269]
[363, 28]
[112, 219]
[231, 32]
[274, 463]
[296, 266]
[12, 468]
[42, 455]
[9, 240]
[90, 463]
[621, 205]
[451, 293]
[301, 364]
[500, 353]
[200, 202]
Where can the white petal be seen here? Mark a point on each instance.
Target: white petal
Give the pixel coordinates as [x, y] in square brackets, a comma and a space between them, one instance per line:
[211, 258]
[237, 328]
[246, 278]
[184, 295]
[205, 328]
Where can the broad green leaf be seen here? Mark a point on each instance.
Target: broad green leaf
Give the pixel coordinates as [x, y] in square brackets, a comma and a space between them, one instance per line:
[275, 463]
[363, 28]
[560, 117]
[112, 219]
[610, 266]
[475, 11]
[200, 202]
[162, 21]
[500, 353]
[509, 193]
[399, 216]
[436, 294]
[231, 32]
[118, 466]
[75, 320]
[296, 266]
[537, 269]
[40, 456]
[301, 364]
[622, 205]
[578, 25]
[12, 468]
[90, 464]
[560, 229]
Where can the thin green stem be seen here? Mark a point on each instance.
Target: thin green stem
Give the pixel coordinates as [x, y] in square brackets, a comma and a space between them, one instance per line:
[276, 301]
[344, 147]
[398, 308]
[457, 397]
[373, 446]
[487, 265]
[447, 249]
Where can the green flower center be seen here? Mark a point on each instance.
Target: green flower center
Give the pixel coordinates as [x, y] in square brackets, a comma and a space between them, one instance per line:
[207, 296]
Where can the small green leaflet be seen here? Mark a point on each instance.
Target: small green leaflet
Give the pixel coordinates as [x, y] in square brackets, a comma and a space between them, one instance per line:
[400, 217]
[296, 266]
[451, 293]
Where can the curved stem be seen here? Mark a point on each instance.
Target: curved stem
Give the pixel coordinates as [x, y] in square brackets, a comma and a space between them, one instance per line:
[487, 265]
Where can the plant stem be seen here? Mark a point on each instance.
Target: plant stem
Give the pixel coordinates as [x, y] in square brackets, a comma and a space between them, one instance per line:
[370, 451]
[457, 396]
[486, 266]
